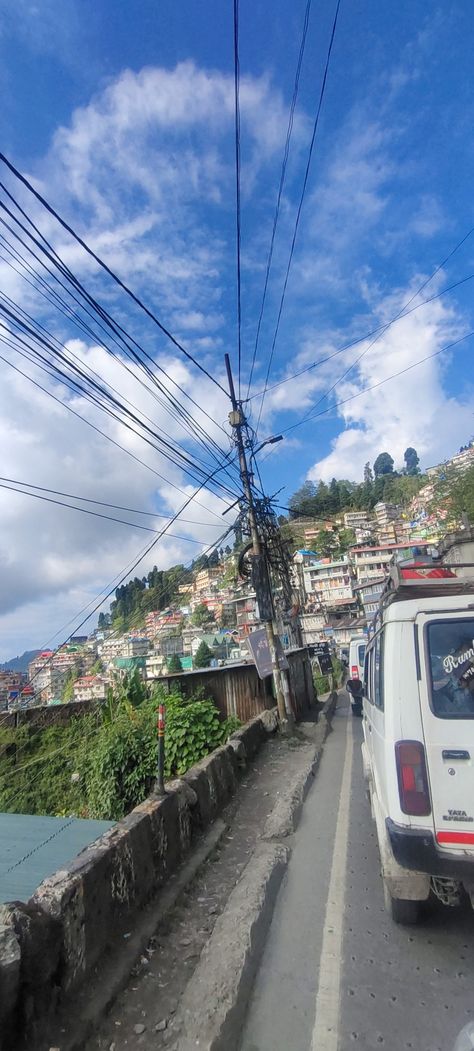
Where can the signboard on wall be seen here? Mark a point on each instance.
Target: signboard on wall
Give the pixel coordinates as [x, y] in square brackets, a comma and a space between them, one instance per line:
[258, 645]
[320, 650]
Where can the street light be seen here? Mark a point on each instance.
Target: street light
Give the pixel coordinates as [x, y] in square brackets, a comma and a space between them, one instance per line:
[268, 441]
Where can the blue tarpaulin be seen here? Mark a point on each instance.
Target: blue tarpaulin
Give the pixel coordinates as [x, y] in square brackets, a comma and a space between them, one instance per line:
[32, 848]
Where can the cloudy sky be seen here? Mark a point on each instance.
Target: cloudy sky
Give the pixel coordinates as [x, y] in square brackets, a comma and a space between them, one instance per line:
[122, 116]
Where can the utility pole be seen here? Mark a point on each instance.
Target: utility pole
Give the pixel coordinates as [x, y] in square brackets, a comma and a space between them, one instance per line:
[237, 421]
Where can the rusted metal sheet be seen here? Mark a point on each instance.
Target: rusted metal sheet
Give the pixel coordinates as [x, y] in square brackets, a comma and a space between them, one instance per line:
[236, 690]
[301, 681]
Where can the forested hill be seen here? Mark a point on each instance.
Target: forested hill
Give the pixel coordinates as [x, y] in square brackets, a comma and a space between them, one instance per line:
[382, 483]
[156, 591]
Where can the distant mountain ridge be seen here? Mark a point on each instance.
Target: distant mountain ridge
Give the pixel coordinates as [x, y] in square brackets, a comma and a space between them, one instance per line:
[20, 663]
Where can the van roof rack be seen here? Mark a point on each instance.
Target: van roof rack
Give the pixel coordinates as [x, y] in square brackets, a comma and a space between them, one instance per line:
[422, 577]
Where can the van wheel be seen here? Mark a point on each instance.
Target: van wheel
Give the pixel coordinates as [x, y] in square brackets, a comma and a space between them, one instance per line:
[402, 910]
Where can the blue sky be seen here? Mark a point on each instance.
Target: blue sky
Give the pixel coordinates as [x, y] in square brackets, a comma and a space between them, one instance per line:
[123, 117]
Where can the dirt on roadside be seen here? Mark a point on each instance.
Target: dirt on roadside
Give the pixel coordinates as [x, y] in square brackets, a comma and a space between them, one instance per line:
[143, 1015]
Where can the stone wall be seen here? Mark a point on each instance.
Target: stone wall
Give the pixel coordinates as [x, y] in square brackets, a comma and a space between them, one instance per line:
[52, 943]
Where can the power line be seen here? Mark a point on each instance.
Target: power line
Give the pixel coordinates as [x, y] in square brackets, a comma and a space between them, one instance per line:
[65, 309]
[103, 434]
[136, 357]
[449, 346]
[102, 503]
[237, 180]
[300, 205]
[142, 554]
[387, 326]
[136, 299]
[95, 514]
[98, 393]
[162, 591]
[280, 188]
[379, 329]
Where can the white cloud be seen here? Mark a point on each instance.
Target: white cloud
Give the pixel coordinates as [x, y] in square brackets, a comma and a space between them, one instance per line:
[47, 552]
[413, 409]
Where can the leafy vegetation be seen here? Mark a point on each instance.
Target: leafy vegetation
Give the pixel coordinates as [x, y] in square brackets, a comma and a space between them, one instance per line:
[455, 495]
[103, 764]
[322, 683]
[383, 483]
[202, 615]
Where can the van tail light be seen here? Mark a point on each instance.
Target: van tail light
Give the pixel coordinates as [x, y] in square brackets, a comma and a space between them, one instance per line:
[354, 671]
[412, 778]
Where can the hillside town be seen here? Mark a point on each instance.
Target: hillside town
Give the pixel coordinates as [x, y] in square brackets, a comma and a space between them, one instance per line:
[212, 614]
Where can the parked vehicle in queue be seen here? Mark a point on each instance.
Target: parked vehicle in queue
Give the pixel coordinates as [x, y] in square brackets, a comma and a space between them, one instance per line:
[418, 749]
[354, 682]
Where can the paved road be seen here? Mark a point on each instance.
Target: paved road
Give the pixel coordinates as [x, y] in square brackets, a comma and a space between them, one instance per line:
[337, 973]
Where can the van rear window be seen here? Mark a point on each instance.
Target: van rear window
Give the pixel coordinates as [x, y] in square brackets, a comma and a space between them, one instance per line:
[361, 655]
[451, 657]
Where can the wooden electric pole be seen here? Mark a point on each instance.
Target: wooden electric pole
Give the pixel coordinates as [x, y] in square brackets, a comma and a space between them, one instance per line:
[237, 421]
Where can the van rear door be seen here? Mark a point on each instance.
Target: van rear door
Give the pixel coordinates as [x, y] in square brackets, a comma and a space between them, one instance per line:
[446, 680]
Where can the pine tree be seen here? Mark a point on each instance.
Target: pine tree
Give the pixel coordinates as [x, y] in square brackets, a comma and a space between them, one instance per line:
[203, 656]
[173, 663]
[411, 461]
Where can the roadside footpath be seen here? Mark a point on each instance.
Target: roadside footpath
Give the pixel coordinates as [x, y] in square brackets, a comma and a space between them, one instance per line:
[192, 982]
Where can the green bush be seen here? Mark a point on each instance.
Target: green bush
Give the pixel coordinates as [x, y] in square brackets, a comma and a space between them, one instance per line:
[112, 753]
[120, 768]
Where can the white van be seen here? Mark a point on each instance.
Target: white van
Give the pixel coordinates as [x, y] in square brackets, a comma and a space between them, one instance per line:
[418, 750]
[355, 674]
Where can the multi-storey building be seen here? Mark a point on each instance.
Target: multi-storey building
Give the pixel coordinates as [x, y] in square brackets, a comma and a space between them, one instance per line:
[328, 585]
[372, 562]
[356, 519]
[369, 594]
[12, 684]
[90, 688]
[311, 530]
[167, 645]
[109, 649]
[134, 646]
[312, 627]
[246, 613]
[205, 578]
[461, 460]
[159, 620]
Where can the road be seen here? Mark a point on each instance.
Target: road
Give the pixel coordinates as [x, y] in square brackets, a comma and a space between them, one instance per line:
[337, 974]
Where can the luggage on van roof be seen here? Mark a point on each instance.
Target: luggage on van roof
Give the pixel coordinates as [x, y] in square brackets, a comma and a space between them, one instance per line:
[422, 578]
[419, 578]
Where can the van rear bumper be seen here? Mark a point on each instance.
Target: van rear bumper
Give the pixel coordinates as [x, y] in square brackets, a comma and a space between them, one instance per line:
[416, 850]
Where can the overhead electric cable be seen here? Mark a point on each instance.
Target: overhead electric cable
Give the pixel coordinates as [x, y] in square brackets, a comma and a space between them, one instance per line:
[136, 299]
[185, 419]
[103, 434]
[289, 131]
[300, 206]
[103, 503]
[373, 386]
[161, 592]
[58, 347]
[170, 452]
[237, 181]
[96, 514]
[126, 344]
[380, 328]
[380, 334]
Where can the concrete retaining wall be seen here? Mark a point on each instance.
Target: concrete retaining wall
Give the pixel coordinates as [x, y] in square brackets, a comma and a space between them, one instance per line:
[49, 945]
